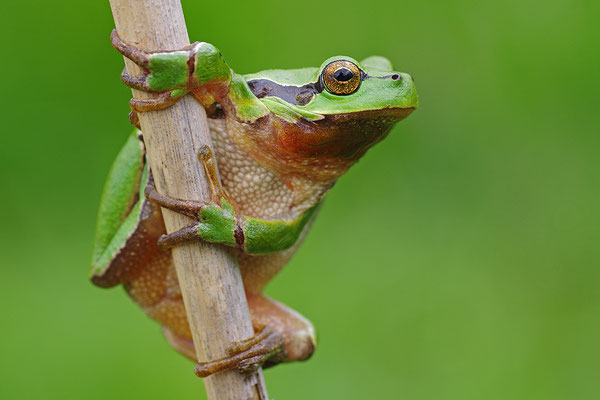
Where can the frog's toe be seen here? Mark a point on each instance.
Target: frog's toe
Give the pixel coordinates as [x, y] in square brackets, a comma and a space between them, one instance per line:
[164, 100]
[140, 57]
[190, 208]
[184, 235]
[248, 355]
[138, 81]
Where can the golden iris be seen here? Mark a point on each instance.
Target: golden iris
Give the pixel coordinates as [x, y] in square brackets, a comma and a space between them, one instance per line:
[341, 77]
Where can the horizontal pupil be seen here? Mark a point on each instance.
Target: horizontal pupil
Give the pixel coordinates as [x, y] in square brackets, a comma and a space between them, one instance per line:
[343, 75]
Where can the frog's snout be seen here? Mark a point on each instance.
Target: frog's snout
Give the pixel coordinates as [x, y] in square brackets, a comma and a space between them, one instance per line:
[407, 90]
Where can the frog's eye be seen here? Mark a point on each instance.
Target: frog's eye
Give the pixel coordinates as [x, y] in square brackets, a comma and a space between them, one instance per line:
[341, 77]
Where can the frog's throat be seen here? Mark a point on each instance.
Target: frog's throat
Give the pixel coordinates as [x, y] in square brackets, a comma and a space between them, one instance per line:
[318, 151]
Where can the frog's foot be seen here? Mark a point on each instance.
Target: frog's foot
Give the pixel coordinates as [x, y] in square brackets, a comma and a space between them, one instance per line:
[217, 221]
[248, 355]
[164, 72]
[164, 100]
[297, 332]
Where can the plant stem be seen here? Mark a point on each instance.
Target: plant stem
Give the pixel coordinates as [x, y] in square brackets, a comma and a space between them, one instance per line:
[209, 277]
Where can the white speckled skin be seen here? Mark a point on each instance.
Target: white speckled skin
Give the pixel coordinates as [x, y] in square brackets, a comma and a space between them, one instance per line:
[258, 191]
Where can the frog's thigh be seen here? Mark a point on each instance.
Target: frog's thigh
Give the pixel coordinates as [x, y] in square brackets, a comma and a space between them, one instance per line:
[297, 331]
[156, 290]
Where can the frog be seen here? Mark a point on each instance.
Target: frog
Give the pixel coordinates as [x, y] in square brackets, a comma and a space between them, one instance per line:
[281, 138]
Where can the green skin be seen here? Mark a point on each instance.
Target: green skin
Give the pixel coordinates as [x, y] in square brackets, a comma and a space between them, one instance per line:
[212, 82]
[262, 237]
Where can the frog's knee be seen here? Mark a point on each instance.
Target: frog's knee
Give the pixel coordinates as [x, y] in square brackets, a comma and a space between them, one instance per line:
[301, 344]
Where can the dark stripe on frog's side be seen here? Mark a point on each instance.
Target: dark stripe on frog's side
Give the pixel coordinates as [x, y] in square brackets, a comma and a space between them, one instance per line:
[297, 95]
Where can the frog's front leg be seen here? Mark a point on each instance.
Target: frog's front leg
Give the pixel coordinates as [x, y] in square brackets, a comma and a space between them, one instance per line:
[218, 222]
[198, 69]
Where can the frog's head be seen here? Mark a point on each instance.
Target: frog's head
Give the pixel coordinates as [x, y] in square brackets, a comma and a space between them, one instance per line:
[347, 86]
[338, 110]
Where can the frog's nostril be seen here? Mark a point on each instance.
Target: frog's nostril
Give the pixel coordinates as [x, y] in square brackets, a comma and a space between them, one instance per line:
[395, 77]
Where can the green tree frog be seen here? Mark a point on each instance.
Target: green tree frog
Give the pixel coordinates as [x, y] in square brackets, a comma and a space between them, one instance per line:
[281, 139]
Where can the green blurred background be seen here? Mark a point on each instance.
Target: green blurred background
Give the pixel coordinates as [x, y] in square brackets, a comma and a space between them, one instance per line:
[458, 260]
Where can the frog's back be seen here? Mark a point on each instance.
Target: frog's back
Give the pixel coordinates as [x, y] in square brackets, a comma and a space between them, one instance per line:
[292, 77]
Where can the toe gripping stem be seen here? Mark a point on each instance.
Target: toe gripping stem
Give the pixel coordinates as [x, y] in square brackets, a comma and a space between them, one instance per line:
[166, 98]
[247, 356]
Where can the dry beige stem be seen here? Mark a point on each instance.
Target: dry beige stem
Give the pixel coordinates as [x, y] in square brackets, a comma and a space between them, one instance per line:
[209, 278]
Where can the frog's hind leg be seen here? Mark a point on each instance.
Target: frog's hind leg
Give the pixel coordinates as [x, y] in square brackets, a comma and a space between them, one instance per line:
[262, 349]
[298, 333]
[167, 308]
[155, 288]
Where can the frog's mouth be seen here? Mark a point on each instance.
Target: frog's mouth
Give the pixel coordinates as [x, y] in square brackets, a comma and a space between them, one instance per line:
[382, 115]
